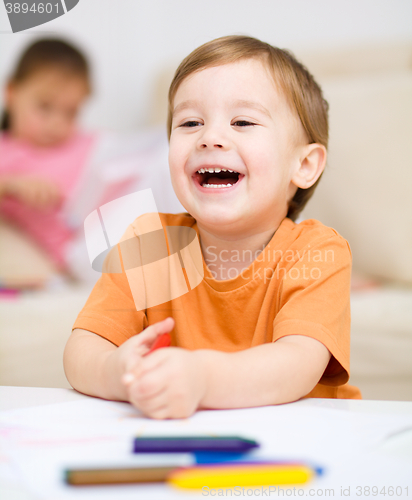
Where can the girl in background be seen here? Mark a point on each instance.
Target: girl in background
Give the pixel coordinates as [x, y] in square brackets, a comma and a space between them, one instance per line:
[42, 153]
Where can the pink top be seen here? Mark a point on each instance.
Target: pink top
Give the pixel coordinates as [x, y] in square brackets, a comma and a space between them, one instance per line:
[61, 164]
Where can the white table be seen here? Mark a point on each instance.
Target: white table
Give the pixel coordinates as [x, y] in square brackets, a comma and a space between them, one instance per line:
[398, 447]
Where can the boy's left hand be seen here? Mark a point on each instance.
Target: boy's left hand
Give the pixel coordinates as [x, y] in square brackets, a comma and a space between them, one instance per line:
[168, 383]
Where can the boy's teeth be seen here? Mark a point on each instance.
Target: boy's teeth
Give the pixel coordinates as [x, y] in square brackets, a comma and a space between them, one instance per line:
[214, 170]
[217, 185]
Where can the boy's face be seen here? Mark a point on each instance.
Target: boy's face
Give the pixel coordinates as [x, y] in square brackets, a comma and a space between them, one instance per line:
[233, 117]
[44, 108]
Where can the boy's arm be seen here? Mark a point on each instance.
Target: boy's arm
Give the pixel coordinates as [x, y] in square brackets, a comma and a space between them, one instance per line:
[273, 373]
[174, 382]
[92, 366]
[95, 366]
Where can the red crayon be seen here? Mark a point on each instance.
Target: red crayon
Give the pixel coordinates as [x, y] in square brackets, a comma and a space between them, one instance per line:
[163, 340]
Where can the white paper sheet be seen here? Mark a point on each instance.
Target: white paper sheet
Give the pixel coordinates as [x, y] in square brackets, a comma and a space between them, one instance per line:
[42, 441]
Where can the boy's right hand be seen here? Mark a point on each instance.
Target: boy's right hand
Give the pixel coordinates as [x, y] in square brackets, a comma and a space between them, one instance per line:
[35, 192]
[132, 351]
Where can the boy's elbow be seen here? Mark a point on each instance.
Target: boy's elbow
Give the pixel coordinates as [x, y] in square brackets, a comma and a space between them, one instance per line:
[310, 359]
[69, 357]
[76, 357]
[84, 360]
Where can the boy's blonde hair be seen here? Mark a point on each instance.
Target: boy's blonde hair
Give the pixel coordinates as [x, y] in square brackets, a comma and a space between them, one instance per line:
[303, 94]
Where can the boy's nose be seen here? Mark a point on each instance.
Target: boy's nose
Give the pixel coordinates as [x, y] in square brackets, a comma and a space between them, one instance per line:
[204, 145]
[212, 138]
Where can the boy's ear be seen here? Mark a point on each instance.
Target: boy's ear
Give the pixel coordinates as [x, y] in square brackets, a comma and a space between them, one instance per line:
[312, 162]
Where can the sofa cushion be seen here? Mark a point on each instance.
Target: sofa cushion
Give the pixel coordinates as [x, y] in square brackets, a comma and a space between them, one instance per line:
[22, 263]
[365, 190]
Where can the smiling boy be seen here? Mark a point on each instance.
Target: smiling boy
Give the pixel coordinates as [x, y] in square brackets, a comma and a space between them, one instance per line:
[248, 136]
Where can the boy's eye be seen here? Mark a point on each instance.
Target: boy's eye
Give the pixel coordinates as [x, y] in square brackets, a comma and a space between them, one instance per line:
[243, 123]
[191, 123]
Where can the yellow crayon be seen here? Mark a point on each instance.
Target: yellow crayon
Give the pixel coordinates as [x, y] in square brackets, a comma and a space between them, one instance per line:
[237, 475]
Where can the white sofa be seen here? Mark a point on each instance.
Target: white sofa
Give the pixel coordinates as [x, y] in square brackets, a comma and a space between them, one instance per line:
[381, 342]
[34, 328]
[364, 194]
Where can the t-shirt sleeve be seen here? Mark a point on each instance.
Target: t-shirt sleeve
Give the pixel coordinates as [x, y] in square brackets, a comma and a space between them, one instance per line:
[110, 310]
[314, 300]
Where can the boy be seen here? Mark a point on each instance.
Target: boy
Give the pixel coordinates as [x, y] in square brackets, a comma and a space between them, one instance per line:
[270, 321]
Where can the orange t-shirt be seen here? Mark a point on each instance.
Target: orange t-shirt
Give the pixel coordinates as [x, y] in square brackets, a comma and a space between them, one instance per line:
[298, 285]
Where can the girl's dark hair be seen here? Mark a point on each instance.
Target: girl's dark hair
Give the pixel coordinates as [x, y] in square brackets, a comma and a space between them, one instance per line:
[45, 53]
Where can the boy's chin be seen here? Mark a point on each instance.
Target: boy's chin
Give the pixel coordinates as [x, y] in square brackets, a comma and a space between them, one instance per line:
[216, 220]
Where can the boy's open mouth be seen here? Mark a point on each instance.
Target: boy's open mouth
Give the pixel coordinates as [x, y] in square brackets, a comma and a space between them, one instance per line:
[217, 178]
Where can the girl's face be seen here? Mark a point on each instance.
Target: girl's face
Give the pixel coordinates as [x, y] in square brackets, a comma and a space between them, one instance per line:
[43, 108]
[232, 117]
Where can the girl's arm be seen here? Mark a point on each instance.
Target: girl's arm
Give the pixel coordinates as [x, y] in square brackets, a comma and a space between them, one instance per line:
[33, 191]
[3, 187]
